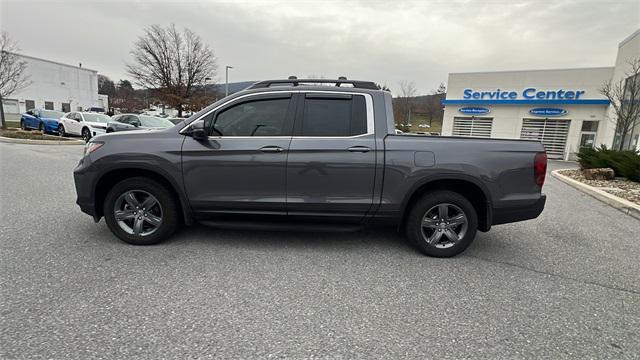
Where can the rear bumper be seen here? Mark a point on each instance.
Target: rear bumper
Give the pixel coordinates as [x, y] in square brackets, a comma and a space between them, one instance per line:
[519, 213]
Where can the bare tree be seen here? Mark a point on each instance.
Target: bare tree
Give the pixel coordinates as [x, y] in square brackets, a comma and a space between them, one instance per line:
[433, 103]
[171, 63]
[441, 90]
[407, 93]
[12, 71]
[624, 96]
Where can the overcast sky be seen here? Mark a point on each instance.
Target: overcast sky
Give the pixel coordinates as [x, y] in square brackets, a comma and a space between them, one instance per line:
[383, 41]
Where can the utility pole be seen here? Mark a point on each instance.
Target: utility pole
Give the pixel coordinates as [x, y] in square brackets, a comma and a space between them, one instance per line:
[226, 80]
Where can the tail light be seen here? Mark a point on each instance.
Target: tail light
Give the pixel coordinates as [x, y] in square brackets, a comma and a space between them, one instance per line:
[540, 168]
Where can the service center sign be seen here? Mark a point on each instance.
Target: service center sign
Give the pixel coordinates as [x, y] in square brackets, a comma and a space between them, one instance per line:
[527, 94]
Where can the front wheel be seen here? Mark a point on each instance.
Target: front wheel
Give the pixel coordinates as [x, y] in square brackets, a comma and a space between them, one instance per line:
[442, 224]
[140, 211]
[23, 126]
[41, 128]
[61, 131]
[86, 135]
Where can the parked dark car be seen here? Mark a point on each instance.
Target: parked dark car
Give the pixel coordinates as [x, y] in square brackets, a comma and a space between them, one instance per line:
[43, 120]
[125, 122]
[294, 156]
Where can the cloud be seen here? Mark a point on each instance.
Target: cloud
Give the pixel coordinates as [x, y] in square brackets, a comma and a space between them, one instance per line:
[384, 41]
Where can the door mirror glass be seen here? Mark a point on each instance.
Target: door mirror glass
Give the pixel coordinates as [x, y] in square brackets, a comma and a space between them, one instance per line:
[197, 131]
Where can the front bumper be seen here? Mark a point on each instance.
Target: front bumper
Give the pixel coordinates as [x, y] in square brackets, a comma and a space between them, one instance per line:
[519, 213]
[83, 180]
[97, 131]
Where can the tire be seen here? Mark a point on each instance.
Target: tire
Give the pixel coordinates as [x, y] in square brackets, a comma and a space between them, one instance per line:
[125, 227]
[61, 131]
[432, 236]
[23, 126]
[86, 135]
[109, 130]
[42, 128]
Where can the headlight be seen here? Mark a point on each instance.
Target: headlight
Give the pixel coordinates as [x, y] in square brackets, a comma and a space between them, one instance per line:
[92, 146]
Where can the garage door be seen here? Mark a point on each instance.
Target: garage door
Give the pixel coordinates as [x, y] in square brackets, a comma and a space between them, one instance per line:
[551, 132]
[472, 126]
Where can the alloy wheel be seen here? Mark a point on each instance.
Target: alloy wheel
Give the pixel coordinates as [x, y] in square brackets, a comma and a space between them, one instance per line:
[444, 225]
[137, 212]
[86, 135]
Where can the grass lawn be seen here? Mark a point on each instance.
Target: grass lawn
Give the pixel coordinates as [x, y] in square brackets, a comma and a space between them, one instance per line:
[30, 135]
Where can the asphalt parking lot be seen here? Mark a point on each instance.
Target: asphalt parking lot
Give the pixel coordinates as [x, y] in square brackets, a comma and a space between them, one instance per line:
[565, 285]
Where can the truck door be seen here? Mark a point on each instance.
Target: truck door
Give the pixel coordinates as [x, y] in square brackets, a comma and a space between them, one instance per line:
[332, 157]
[240, 169]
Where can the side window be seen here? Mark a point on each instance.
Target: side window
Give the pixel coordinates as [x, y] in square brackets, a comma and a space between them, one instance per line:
[253, 118]
[29, 104]
[333, 116]
[48, 105]
[133, 120]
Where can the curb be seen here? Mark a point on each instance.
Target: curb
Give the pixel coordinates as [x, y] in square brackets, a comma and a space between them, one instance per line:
[621, 204]
[40, 142]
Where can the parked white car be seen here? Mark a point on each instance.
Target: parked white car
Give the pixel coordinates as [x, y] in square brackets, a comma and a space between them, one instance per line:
[85, 124]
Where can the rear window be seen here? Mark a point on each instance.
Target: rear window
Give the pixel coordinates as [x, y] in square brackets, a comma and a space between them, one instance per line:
[334, 116]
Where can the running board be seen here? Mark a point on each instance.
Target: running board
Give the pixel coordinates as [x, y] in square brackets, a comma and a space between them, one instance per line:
[281, 226]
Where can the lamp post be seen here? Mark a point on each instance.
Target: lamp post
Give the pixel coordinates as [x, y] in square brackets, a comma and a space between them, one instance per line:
[205, 86]
[226, 80]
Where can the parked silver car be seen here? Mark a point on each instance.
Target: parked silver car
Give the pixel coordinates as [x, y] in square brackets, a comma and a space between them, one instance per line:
[126, 122]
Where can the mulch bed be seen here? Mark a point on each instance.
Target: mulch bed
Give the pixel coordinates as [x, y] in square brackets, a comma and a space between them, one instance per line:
[619, 187]
[29, 135]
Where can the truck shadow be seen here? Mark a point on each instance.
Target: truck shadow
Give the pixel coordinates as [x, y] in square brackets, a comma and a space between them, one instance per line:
[373, 239]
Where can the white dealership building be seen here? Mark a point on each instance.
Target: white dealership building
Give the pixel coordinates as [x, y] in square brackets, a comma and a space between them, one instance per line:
[563, 108]
[54, 86]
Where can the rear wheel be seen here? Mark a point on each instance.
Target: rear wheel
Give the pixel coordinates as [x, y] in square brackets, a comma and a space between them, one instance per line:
[140, 211]
[442, 224]
[86, 135]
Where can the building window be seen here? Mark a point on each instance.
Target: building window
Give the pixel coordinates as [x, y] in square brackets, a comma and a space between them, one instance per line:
[589, 125]
[29, 104]
[66, 107]
[48, 105]
[472, 126]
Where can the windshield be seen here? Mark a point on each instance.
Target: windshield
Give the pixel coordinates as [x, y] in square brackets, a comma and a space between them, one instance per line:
[50, 114]
[151, 121]
[93, 117]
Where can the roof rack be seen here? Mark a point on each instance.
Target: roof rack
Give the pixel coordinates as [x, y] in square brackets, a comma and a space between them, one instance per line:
[297, 82]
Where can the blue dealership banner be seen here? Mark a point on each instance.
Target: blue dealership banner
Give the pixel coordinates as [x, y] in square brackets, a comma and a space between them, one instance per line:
[548, 112]
[474, 110]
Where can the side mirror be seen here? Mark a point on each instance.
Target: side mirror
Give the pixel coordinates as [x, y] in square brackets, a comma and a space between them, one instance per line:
[197, 131]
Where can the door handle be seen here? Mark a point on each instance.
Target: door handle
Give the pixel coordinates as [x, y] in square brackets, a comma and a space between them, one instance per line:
[271, 149]
[362, 149]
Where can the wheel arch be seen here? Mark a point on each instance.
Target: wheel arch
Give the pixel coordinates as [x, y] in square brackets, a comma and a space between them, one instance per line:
[470, 188]
[107, 180]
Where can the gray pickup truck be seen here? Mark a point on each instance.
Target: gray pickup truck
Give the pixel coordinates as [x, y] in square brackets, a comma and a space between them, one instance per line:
[298, 154]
